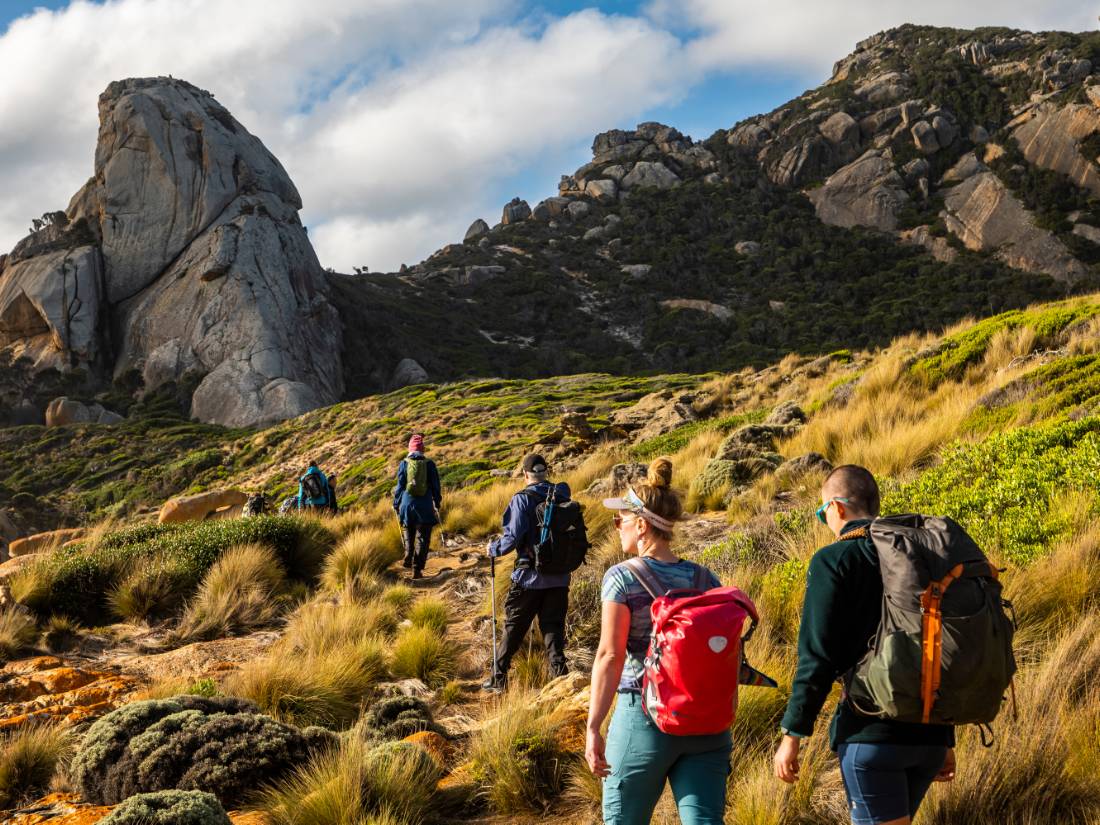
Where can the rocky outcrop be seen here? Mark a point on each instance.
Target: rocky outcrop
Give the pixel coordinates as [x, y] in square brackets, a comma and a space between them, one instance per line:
[717, 310]
[987, 217]
[199, 506]
[408, 372]
[1049, 137]
[63, 411]
[187, 241]
[940, 249]
[476, 230]
[653, 174]
[515, 210]
[41, 542]
[866, 192]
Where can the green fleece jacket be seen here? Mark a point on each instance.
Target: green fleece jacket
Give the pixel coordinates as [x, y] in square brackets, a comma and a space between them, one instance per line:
[840, 617]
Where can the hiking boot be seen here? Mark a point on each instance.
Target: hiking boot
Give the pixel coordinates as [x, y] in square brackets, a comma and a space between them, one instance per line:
[494, 685]
[418, 574]
[408, 562]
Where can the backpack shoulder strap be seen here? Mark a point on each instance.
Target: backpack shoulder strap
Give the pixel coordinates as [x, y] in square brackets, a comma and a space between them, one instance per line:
[645, 577]
[699, 580]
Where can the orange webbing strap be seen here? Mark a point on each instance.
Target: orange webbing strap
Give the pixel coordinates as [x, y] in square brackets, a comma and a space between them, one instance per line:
[932, 639]
[857, 533]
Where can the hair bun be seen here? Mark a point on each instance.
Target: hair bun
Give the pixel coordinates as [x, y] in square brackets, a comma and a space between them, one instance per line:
[659, 473]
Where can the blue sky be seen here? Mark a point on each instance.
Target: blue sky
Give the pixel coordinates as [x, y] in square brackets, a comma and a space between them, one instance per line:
[401, 121]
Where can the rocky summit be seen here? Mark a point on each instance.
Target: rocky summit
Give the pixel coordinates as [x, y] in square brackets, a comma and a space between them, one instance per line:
[181, 260]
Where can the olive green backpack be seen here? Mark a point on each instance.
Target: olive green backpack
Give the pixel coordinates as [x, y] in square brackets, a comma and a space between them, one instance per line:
[943, 651]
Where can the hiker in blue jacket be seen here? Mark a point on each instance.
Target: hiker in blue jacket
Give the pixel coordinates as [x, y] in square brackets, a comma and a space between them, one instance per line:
[416, 501]
[313, 489]
[531, 593]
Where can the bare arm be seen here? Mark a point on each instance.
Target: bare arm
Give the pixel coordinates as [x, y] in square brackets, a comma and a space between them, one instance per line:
[606, 671]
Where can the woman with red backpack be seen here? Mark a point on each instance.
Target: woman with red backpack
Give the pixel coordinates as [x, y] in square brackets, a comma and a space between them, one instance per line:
[638, 756]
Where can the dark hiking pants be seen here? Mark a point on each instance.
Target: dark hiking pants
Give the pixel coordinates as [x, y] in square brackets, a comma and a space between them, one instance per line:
[520, 609]
[417, 538]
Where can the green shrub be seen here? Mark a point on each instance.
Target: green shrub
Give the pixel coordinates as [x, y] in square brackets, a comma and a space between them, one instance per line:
[1002, 488]
[397, 717]
[29, 756]
[431, 613]
[17, 631]
[169, 808]
[221, 745]
[165, 560]
[957, 352]
[420, 653]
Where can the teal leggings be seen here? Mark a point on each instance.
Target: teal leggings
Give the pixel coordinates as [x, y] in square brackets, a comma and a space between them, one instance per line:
[642, 758]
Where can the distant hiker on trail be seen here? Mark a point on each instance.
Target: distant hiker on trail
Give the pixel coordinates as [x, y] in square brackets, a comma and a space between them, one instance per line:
[887, 765]
[312, 489]
[332, 507]
[416, 501]
[638, 757]
[540, 581]
[255, 506]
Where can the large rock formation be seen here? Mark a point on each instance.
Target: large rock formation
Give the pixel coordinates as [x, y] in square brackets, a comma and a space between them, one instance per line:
[1049, 137]
[986, 216]
[866, 192]
[182, 256]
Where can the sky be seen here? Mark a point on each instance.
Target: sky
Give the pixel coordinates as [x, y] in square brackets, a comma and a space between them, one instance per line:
[402, 121]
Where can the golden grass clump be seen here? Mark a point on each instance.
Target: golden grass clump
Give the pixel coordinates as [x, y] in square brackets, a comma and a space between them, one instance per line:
[421, 653]
[242, 591]
[18, 630]
[29, 758]
[430, 612]
[361, 558]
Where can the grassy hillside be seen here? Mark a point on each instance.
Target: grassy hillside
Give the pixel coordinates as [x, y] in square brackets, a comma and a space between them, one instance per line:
[995, 423]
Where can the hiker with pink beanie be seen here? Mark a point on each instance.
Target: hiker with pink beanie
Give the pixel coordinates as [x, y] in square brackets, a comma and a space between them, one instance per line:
[416, 501]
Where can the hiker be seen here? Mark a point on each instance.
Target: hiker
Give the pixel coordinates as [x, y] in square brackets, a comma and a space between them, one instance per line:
[312, 489]
[887, 765]
[255, 506]
[332, 507]
[637, 758]
[416, 501]
[531, 593]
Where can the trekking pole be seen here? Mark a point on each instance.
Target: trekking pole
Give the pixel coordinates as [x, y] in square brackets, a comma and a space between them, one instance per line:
[493, 594]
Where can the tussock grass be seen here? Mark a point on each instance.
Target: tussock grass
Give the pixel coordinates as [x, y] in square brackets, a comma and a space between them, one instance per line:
[421, 653]
[320, 626]
[17, 631]
[60, 634]
[477, 513]
[431, 613]
[400, 597]
[361, 558]
[326, 689]
[516, 758]
[147, 592]
[29, 757]
[240, 593]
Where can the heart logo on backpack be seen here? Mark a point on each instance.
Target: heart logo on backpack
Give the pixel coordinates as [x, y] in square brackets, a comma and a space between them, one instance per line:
[717, 643]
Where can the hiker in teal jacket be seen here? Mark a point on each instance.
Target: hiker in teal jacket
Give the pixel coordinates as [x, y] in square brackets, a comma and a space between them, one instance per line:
[418, 514]
[313, 489]
[887, 766]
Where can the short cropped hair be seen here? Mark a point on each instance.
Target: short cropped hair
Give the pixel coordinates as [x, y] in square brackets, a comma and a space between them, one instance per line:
[856, 484]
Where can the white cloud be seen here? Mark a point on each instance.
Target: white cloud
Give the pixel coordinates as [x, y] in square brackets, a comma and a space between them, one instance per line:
[402, 120]
[393, 117]
[809, 35]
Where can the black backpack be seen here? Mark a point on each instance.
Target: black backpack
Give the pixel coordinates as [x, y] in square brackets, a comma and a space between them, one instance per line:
[314, 488]
[561, 542]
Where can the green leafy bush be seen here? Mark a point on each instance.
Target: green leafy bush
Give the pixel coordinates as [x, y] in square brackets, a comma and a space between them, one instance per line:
[170, 561]
[1002, 490]
[218, 744]
[169, 808]
[397, 718]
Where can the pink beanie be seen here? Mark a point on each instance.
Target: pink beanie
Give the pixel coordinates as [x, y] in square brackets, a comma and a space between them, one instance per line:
[416, 443]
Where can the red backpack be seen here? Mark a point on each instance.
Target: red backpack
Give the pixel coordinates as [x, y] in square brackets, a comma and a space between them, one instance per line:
[696, 658]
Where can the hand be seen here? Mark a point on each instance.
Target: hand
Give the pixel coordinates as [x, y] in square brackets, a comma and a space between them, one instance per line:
[594, 753]
[489, 547]
[786, 759]
[947, 772]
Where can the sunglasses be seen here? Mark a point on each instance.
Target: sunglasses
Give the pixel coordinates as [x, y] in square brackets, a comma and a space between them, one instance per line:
[824, 508]
[617, 520]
